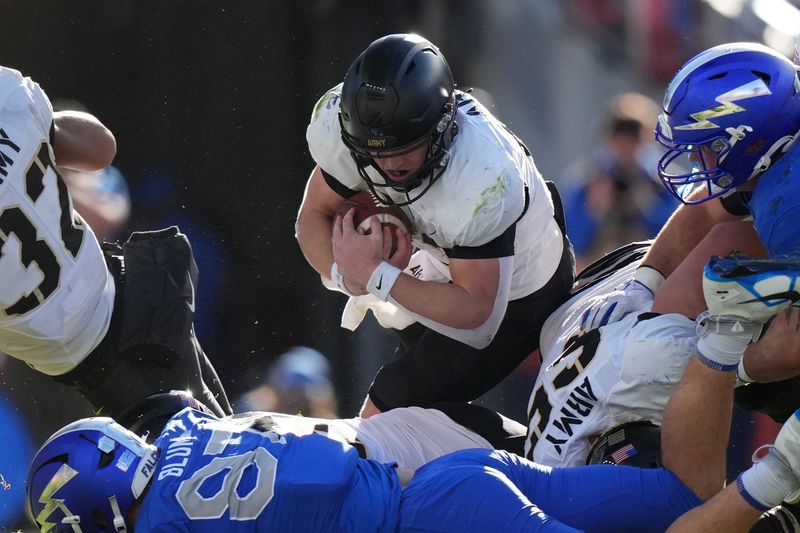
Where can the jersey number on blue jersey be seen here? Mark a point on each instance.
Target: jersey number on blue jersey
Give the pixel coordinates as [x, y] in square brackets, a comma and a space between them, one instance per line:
[225, 474]
[14, 221]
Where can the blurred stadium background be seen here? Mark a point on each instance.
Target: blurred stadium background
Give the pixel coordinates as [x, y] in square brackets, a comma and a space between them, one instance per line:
[209, 101]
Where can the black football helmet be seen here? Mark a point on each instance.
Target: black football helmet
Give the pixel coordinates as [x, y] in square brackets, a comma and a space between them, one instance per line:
[399, 95]
[633, 444]
[148, 417]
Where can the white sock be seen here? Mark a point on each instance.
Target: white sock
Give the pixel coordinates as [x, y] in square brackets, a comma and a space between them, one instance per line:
[768, 482]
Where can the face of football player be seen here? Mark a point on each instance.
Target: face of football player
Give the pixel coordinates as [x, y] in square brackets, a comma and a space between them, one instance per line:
[400, 167]
[706, 158]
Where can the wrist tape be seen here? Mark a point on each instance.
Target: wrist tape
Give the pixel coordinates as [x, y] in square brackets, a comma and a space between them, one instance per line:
[741, 374]
[338, 279]
[649, 277]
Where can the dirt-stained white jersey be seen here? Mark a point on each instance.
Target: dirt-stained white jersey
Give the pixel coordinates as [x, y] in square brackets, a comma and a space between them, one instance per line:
[590, 383]
[56, 294]
[481, 193]
[408, 436]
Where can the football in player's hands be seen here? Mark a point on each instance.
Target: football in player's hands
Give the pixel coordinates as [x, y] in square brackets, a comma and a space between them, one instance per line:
[366, 207]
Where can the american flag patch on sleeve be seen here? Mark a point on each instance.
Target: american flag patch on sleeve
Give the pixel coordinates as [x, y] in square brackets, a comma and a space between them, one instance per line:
[623, 453]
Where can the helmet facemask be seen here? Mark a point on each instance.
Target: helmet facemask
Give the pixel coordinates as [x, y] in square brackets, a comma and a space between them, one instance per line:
[705, 172]
[438, 141]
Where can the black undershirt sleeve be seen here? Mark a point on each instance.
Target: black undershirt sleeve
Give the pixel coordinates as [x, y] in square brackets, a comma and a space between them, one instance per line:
[502, 246]
[337, 186]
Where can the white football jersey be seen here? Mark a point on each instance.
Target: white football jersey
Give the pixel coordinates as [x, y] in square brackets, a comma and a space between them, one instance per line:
[478, 197]
[56, 294]
[408, 436]
[590, 383]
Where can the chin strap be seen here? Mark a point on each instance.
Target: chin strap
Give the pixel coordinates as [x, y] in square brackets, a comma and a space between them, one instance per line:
[74, 521]
[783, 144]
[119, 520]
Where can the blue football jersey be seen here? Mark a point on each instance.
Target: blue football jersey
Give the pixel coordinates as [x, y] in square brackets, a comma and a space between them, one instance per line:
[775, 205]
[219, 475]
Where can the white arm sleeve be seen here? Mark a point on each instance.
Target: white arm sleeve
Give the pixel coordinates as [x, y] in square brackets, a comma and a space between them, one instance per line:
[481, 336]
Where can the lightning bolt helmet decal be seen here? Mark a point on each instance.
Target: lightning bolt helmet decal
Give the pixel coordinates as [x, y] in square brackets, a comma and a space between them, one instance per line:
[727, 106]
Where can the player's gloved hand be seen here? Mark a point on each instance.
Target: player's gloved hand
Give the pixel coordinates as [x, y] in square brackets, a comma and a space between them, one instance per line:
[611, 307]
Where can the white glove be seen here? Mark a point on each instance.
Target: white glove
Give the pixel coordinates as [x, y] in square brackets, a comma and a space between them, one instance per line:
[611, 307]
[387, 314]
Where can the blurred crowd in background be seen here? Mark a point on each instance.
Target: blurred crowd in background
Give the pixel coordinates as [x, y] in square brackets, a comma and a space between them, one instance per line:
[209, 102]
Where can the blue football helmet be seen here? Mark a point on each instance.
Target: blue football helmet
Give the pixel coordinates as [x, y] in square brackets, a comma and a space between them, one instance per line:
[86, 477]
[733, 109]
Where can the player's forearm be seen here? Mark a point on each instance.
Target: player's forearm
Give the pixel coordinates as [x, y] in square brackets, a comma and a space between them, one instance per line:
[727, 511]
[315, 221]
[445, 303]
[470, 309]
[82, 142]
[764, 371]
[685, 228]
[776, 355]
[676, 239]
[763, 362]
[313, 233]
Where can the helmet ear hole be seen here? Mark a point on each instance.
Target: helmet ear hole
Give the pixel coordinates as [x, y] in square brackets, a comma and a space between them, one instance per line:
[58, 459]
[106, 458]
[763, 76]
[100, 521]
